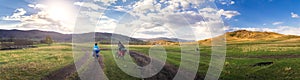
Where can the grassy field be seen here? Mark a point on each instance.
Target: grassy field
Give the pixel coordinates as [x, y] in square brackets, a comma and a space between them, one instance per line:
[35, 63]
[241, 57]
[113, 72]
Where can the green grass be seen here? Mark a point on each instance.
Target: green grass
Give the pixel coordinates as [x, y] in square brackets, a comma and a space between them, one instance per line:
[33, 63]
[113, 72]
[239, 67]
[253, 49]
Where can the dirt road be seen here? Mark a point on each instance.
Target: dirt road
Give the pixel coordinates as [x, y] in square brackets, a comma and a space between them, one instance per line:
[70, 70]
[167, 73]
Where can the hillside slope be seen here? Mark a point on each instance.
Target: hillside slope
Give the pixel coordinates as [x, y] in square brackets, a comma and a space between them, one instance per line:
[37, 35]
[241, 36]
[166, 39]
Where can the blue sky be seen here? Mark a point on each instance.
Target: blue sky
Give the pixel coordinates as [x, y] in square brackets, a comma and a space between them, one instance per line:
[159, 18]
[256, 13]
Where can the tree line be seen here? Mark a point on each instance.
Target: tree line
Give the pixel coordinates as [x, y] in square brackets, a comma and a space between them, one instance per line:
[16, 43]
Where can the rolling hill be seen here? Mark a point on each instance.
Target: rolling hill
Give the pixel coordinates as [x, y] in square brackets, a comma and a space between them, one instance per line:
[37, 35]
[241, 36]
[166, 39]
[238, 36]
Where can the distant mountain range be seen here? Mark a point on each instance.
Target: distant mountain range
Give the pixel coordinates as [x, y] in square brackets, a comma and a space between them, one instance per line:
[231, 37]
[166, 39]
[37, 35]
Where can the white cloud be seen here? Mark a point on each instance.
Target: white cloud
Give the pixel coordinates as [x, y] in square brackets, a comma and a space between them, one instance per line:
[78, 3]
[55, 16]
[17, 15]
[229, 14]
[91, 14]
[223, 3]
[294, 15]
[161, 19]
[93, 20]
[37, 6]
[205, 30]
[106, 2]
[209, 13]
[89, 5]
[188, 24]
[154, 32]
[277, 23]
[288, 30]
[232, 2]
[264, 24]
[43, 22]
[143, 6]
[226, 2]
[8, 26]
[249, 29]
[106, 24]
[164, 6]
[120, 8]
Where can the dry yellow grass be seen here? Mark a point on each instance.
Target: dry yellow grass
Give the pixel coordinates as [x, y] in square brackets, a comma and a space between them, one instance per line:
[265, 48]
[241, 36]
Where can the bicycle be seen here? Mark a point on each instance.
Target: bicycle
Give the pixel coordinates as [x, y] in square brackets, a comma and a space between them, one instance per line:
[121, 53]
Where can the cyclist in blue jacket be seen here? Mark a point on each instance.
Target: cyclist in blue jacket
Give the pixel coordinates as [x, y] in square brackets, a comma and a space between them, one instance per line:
[96, 50]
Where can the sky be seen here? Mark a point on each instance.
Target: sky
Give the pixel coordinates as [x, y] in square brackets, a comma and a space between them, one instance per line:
[185, 19]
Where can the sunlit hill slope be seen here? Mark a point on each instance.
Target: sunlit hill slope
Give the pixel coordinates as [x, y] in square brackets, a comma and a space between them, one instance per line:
[244, 36]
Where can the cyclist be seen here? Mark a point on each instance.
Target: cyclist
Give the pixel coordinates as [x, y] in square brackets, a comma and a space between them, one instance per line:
[96, 50]
[121, 50]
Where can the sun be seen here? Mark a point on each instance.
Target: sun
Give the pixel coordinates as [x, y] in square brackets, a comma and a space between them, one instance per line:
[60, 11]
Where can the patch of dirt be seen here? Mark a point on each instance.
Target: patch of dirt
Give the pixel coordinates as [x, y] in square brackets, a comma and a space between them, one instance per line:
[262, 64]
[168, 72]
[277, 56]
[65, 72]
[62, 73]
[100, 60]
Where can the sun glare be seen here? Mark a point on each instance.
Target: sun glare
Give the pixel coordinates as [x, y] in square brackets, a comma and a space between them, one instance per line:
[60, 10]
[58, 13]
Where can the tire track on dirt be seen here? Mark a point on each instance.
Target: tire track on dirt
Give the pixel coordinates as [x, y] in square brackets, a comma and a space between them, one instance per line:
[69, 70]
[61, 74]
[168, 72]
[280, 56]
[277, 56]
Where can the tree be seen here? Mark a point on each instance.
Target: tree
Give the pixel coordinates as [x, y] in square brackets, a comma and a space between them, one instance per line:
[48, 40]
[1, 42]
[11, 38]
